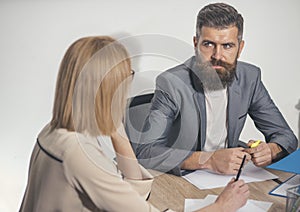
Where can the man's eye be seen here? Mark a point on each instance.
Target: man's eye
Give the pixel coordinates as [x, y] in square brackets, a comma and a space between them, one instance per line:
[207, 44]
[227, 46]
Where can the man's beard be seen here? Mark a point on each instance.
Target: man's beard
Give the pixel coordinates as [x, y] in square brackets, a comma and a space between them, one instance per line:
[216, 79]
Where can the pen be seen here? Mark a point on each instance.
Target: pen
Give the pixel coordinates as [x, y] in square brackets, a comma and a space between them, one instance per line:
[240, 169]
[255, 144]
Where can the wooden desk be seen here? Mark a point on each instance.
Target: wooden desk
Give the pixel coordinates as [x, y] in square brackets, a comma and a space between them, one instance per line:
[169, 191]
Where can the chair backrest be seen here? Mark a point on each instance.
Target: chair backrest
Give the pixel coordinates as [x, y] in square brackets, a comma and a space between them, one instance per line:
[136, 114]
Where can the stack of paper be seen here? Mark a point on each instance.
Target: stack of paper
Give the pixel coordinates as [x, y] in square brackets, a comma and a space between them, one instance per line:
[251, 205]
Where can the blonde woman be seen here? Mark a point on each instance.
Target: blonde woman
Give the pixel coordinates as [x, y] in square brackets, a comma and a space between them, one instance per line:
[82, 160]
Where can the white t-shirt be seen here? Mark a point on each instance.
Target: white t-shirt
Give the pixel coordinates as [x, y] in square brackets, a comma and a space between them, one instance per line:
[216, 114]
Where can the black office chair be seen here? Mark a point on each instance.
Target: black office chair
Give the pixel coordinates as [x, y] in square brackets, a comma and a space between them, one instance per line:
[136, 114]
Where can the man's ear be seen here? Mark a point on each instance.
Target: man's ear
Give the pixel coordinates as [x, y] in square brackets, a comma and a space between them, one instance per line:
[195, 40]
[241, 46]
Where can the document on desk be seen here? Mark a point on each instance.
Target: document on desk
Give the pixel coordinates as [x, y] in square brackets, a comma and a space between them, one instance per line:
[206, 180]
[251, 205]
[280, 190]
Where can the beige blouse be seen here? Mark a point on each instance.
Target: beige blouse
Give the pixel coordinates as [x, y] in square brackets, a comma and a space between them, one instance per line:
[71, 172]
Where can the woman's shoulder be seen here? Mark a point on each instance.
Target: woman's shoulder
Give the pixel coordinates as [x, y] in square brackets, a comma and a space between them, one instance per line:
[89, 154]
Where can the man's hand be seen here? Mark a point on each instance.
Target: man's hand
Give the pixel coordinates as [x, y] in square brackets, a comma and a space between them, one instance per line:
[223, 161]
[226, 161]
[263, 154]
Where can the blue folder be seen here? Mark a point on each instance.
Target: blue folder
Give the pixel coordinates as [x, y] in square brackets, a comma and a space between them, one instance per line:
[290, 163]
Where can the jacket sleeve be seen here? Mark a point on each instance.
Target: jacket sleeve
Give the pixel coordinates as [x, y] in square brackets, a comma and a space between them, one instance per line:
[101, 187]
[153, 150]
[268, 119]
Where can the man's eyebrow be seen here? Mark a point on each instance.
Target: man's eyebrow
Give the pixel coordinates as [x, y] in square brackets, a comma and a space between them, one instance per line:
[229, 43]
[205, 40]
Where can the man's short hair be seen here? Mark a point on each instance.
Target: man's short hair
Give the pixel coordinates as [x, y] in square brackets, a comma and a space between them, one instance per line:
[220, 16]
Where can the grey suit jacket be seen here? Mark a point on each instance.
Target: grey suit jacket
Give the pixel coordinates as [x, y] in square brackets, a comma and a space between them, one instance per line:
[176, 124]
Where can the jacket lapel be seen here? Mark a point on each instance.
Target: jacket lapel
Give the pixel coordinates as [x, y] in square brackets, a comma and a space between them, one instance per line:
[200, 103]
[234, 93]
[199, 100]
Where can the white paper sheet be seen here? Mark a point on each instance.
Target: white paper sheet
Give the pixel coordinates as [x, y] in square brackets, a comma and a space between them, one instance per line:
[207, 180]
[251, 205]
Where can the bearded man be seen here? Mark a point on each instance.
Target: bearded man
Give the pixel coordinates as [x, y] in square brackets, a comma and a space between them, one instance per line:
[199, 108]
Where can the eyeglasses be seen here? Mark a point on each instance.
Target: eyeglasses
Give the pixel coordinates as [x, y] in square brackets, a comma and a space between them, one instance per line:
[132, 72]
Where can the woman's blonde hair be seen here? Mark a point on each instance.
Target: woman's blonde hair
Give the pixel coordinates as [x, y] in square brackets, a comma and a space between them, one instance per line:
[92, 86]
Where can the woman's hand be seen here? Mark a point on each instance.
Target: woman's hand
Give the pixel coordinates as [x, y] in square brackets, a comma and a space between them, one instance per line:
[234, 196]
[126, 158]
[120, 133]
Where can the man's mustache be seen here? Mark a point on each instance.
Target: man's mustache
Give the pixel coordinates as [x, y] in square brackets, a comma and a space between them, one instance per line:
[215, 62]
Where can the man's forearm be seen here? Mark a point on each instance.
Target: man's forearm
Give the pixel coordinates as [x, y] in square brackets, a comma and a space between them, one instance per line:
[198, 160]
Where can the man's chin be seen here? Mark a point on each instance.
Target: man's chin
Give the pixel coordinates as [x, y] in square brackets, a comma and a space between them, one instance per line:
[219, 69]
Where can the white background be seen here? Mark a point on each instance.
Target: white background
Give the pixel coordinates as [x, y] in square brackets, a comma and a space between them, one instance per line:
[35, 34]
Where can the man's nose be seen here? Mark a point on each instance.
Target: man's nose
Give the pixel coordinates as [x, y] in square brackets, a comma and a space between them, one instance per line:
[217, 53]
